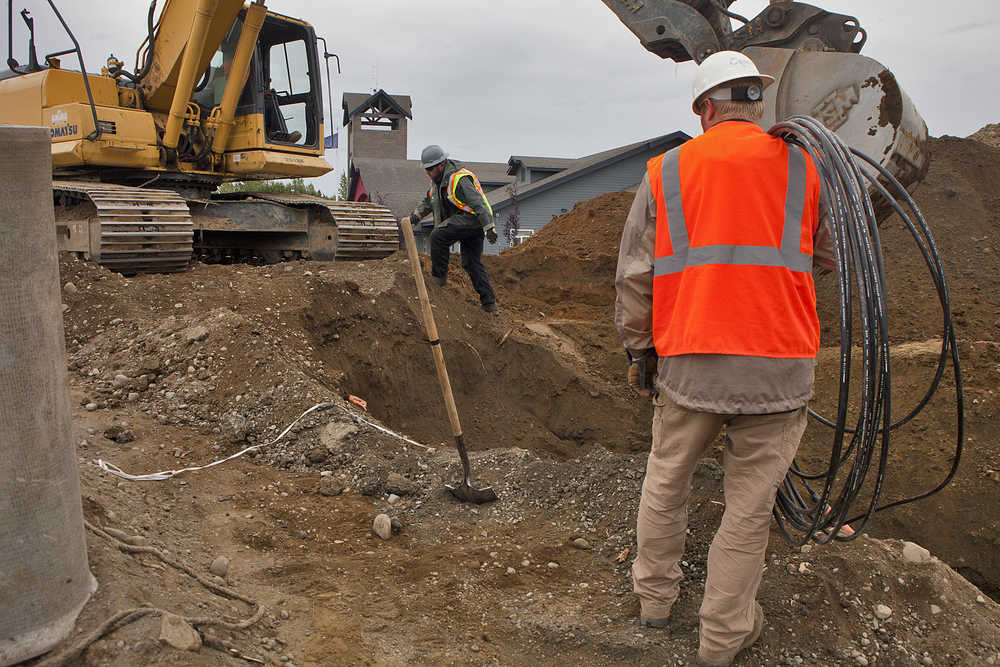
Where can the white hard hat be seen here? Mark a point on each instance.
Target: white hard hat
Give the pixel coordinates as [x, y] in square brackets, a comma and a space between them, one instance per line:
[722, 67]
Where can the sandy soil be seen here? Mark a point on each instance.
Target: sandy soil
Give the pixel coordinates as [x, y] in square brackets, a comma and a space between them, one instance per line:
[180, 370]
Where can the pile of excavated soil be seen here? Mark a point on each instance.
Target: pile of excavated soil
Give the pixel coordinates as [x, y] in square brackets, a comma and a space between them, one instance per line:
[989, 135]
[567, 269]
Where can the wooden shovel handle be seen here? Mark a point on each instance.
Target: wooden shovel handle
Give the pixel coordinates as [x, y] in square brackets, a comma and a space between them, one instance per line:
[432, 334]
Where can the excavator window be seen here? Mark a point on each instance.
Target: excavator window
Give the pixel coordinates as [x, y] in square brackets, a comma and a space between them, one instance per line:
[286, 114]
[291, 92]
[209, 91]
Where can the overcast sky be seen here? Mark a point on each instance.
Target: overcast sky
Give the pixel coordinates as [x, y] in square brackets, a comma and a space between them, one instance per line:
[565, 78]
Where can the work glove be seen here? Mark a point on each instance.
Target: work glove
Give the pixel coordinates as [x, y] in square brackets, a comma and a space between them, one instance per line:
[642, 371]
[491, 235]
[405, 221]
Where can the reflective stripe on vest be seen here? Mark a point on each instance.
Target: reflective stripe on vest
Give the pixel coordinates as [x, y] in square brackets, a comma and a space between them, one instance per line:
[453, 188]
[788, 255]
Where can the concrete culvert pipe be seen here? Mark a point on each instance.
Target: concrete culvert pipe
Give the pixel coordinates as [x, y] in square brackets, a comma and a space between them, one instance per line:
[44, 577]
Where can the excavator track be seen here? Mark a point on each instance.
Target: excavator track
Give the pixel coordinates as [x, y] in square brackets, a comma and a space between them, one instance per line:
[126, 229]
[364, 230]
[271, 227]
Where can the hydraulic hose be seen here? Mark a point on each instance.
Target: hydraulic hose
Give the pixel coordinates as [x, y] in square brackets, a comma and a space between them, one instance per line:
[816, 505]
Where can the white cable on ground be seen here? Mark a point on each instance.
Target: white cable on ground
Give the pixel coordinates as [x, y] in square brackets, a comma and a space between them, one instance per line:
[107, 466]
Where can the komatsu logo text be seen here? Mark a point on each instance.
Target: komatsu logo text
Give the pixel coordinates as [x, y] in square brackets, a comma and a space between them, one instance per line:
[63, 131]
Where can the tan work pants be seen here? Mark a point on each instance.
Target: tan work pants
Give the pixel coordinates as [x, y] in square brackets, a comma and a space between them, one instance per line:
[759, 451]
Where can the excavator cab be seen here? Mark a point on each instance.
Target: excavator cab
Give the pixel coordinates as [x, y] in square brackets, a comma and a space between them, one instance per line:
[281, 86]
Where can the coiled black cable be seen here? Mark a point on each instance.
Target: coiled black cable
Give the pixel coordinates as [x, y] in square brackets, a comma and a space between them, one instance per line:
[816, 505]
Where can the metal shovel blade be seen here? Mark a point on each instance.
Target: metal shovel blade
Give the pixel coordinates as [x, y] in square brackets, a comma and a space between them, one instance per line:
[463, 490]
[467, 494]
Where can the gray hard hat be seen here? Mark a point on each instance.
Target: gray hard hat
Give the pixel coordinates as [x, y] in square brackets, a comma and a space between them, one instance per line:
[432, 155]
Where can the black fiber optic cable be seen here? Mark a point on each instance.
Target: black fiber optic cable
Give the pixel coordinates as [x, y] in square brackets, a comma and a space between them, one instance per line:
[815, 505]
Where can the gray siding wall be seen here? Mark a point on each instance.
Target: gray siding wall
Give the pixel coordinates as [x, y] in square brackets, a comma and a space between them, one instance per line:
[537, 211]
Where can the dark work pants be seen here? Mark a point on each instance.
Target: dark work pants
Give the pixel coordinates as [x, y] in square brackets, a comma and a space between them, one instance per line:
[471, 240]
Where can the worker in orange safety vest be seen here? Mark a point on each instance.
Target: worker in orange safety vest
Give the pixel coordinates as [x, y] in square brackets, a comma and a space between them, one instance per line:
[716, 308]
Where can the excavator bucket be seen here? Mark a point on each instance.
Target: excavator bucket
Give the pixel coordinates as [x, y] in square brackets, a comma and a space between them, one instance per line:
[854, 96]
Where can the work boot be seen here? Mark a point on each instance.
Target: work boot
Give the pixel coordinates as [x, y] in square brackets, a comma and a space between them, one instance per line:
[758, 627]
[441, 280]
[491, 308]
[653, 622]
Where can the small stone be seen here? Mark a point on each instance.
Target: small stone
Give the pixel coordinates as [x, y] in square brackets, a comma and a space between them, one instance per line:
[132, 397]
[137, 540]
[121, 380]
[397, 524]
[580, 543]
[806, 548]
[401, 486]
[914, 553]
[219, 567]
[70, 288]
[330, 486]
[393, 499]
[178, 305]
[803, 568]
[90, 407]
[980, 599]
[317, 455]
[196, 334]
[553, 565]
[119, 435]
[861, 660]
[511, 570]
[382, 526]
[935, 609]
[882, 612]
[175, 631]
[792, 569]
[284, 614]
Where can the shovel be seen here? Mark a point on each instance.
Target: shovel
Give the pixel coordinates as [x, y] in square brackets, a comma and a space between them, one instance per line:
[463, 490]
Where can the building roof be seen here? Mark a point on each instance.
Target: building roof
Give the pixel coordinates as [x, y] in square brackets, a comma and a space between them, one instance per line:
[400, 184]
[355, 103]
[585, 165]
[541, 163]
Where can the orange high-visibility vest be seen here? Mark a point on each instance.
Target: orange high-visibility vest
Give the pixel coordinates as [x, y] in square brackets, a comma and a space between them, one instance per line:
[736, 213]
[453, 188]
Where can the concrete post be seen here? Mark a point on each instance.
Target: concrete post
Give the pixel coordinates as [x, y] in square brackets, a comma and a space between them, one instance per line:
[44, 577]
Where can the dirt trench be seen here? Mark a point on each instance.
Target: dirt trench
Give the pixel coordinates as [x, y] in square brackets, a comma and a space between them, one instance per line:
[521, 393]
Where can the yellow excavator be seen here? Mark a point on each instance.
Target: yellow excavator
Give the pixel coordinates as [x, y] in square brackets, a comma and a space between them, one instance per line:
[221, 92]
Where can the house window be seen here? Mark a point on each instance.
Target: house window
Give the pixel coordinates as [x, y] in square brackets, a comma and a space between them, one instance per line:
[521, 236]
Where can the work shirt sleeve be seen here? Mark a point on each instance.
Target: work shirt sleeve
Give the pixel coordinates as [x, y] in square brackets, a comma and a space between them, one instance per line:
[634, 277]
[423, 209]
[468, 194]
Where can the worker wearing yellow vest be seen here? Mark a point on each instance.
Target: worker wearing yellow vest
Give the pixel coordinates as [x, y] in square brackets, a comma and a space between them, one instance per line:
[717, 309]
[462, 214]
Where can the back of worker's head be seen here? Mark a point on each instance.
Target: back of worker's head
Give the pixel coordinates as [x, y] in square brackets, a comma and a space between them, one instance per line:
[733, 84]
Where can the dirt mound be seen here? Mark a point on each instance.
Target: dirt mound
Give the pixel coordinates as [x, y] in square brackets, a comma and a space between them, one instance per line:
[989, 135]
[567, 269]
